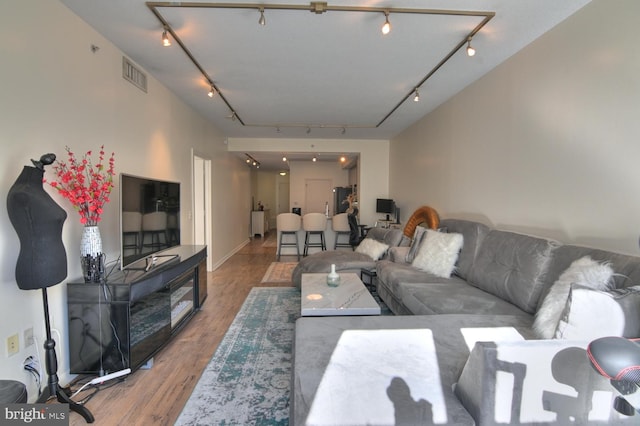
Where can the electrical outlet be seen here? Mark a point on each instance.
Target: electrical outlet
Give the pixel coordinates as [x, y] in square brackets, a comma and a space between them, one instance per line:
[28, 337]
[13, 345]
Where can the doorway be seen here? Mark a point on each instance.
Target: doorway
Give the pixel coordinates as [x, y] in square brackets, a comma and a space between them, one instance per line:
[202, 204]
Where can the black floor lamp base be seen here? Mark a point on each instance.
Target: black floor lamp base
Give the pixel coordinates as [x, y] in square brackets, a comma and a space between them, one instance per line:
[62, 396]
[54, 389]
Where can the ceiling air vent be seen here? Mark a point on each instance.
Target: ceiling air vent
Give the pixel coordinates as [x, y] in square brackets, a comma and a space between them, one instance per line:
[134, 75]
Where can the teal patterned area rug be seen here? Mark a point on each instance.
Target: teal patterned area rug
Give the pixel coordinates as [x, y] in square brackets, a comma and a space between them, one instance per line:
[247, 380]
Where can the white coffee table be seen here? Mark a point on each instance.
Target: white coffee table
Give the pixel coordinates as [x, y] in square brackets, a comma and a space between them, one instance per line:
[351, 297]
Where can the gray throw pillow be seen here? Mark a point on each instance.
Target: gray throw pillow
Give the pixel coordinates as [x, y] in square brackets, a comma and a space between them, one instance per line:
[590, 314]
[418, 236]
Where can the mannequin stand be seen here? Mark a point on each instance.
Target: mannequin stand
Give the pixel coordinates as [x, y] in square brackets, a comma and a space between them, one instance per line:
[54, 389]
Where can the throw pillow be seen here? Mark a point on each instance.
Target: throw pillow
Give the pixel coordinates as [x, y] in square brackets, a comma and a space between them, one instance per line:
[438, 253]
[418, 237]
[372, 248]
[591, 314]
[584, 271]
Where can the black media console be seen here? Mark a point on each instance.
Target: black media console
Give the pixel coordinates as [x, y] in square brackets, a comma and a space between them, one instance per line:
[123, 322]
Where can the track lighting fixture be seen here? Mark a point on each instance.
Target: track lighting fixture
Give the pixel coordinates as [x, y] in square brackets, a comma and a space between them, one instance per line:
[284, 158]
[470, 50]
[165, 38]
[386, 27]
[314, 159]
[252, 161]
[320, 7]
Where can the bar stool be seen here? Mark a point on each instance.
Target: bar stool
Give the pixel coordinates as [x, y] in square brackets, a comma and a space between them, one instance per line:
[288, 224]
[340, 226]
[132, 227]
[314, 224]
[173, 229]
[154, 224]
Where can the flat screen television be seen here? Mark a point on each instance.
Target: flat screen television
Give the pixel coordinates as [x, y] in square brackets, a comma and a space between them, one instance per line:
[149, 217]
[385, 205]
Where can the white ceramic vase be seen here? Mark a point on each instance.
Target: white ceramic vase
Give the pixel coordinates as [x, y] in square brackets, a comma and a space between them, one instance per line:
[333, 279]
[91, 256]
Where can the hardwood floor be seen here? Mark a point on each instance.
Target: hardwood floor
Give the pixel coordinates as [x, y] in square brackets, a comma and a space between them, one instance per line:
[156, 396]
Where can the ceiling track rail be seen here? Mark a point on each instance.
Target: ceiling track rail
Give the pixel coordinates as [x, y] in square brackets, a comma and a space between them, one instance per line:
[318, 8]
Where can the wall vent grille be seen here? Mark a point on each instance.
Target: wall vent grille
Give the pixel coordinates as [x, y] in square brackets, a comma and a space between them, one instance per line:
[134, 75]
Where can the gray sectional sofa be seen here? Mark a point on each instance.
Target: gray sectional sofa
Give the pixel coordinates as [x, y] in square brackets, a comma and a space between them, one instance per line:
[498, 272]
[347, 260]
[499, 283]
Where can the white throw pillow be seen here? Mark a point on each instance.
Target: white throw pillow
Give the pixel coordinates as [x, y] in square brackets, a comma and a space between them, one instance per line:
[438, 253]
[373, 248]
[584, 271]
[591, 314]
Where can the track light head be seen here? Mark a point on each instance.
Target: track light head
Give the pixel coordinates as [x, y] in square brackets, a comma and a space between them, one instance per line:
[386, 27]
[470, 50]
[212, 92]
[165, 39]
[416, 97]
[252, 161]
[262, 21]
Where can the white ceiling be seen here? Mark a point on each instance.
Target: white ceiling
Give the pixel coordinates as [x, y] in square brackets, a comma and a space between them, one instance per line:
[327, 76]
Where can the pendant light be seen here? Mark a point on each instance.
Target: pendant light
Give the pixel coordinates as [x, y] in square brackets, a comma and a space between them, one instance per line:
[470, 50]
[386, 27]
[165, 39]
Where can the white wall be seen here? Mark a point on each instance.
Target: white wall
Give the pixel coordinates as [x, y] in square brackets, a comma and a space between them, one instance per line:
[373, 165]
[57, 93]
[302, 171]
[266, 189]
[547, 143]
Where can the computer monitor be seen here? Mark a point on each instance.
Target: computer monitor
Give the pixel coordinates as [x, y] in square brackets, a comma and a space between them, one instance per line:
[385, 205]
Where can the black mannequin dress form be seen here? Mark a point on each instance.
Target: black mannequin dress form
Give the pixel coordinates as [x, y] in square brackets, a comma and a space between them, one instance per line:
[38, 220]
[42, 261]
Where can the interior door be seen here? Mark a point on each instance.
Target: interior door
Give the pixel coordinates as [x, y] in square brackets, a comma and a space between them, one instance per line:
[202, 204]
[317, 193]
